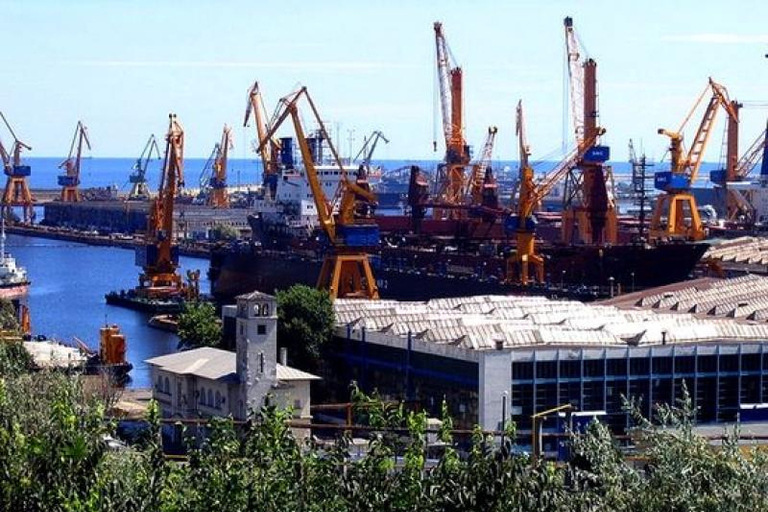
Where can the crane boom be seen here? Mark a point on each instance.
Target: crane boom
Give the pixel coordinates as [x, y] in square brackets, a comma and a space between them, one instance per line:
[480, 166]
[218, 182]
[748, 161]
[138, 178]
[16, 191]
[575, 59]
[369, 146]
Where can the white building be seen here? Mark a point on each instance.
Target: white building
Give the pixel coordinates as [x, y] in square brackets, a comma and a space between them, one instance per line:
[207, 382]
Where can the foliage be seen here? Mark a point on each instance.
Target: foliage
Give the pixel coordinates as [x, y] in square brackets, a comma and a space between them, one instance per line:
[222, 232]
[14, 358]
[306, 321]
[54, 457]
[198, 326]
[8, 319]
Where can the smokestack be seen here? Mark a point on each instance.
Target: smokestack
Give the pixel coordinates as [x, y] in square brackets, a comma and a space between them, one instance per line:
[284, 356]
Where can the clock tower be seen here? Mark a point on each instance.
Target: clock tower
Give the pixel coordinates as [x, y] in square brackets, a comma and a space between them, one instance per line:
[256, 350]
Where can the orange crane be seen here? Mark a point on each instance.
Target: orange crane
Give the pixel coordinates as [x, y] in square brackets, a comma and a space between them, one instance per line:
[451, 179]
[159, 256]
[70, 180]
[736, 203]
[269, 153]
[138, 178]
[530, 194]
[16, 188]
[478, 178]
[684, 169]
[218, 198]
[588, 200]
[346, 270]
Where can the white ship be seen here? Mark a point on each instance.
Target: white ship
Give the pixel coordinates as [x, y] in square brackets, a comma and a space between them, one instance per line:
[13, 278]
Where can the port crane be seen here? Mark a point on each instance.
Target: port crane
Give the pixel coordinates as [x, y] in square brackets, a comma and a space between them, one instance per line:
[269, 152]
[16, 188]
[138, 178]
[346, 270]
[366, 152]
[481, 179]
[588, 199]
[70, 180]
[218, 198]
[159, 255]
[684, 169]
[450, 175]
[530, 194]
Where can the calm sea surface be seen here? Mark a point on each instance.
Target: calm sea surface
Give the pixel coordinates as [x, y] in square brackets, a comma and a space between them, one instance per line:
[66, 298]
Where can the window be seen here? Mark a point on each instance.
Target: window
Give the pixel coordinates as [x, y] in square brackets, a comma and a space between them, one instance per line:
[167, 386]
[261, 329]
[297, 405]
[210, 398]
[159, 384]
[202, 396]
[218, 400]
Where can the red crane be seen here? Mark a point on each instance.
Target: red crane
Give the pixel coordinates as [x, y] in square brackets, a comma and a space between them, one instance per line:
[218, 198]
[269, 153]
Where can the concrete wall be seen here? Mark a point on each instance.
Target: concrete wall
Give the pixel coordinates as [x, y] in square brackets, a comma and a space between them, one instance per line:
[495, 376]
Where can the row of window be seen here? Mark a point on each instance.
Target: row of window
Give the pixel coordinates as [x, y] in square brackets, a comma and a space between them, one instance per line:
[209, 399]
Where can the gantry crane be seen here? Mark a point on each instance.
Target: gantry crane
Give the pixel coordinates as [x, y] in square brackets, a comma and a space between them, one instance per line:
[16, 187]
[530, 194]
[218, 198]
[588, 199]
[479, 181]
[684, 169]
[138, 178]
[159, 256]
[269, 152]
[450, 175]
[346, 270]
[70, 180]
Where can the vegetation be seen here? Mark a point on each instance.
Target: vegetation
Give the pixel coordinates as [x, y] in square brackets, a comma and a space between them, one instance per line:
[305, 323]
[199, 326]
[8, 319]
[224, 232]
[55, 456]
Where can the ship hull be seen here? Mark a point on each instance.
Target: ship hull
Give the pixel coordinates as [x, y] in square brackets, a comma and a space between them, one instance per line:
[14, 291]
[579, 272]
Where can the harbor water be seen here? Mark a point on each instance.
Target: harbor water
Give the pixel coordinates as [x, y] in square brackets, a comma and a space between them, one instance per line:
[66, 298]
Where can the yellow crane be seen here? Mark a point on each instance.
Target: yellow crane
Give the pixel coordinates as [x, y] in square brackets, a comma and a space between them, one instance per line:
[16, 188]
[530, 194]
[218, 197]
[70, 180]
[270, 152]
[346, 270]
[669, 216]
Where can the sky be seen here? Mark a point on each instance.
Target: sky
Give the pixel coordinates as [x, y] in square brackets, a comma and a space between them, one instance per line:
[121, 66]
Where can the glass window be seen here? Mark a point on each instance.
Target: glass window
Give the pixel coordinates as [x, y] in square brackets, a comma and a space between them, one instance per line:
[167, 386]
[218, 400]
[202, 396]
[261, 329]
[210, 398]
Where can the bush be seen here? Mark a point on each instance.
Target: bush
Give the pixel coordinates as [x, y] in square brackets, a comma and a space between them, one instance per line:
[198, 326]
[305, 323]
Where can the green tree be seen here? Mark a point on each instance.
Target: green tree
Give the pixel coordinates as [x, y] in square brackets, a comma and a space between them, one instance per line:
[199, 326]
[8, 318]
[306, 321]
[224, 232]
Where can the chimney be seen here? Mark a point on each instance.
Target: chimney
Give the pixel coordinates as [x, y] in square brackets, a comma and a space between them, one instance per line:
[283, 356]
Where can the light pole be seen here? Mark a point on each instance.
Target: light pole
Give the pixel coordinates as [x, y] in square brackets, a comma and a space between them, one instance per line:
[610, 280]
[503, 415]
[633, 281]
[562, 279]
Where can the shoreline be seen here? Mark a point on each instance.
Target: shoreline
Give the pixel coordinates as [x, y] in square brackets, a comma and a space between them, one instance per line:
[99, 240]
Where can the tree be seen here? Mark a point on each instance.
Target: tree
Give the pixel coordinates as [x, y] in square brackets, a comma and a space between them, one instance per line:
[8, 319]
[306, 322]
[199, 326]
[224, 232]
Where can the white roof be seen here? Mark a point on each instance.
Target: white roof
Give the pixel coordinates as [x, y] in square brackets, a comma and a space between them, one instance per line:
[216, 364]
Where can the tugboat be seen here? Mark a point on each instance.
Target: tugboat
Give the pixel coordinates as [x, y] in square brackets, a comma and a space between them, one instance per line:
[13, 279]
[110, 358]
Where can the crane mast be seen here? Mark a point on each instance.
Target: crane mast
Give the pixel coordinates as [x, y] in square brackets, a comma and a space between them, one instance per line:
[684, 170]
[366, 152]
[588, 200]
[138, 178]
[269, 153]
[16, 191]
[346, 270]
[450, 81]
[218, 198]
[70, 180]
[159, 256]
[530, 194]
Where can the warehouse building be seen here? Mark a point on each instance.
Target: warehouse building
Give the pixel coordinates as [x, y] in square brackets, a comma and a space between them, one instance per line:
[493, 357]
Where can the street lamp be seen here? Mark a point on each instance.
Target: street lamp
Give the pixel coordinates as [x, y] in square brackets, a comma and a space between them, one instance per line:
[562, 279]
[633, 281]
[610, 280]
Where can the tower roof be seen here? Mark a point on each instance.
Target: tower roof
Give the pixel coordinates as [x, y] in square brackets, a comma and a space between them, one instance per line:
[255, 295]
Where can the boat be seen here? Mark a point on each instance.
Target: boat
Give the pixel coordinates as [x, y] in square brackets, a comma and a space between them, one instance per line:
[111, 356]
[14, 282]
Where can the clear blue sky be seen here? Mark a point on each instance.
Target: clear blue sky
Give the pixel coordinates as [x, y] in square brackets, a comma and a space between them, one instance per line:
[121, 66]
